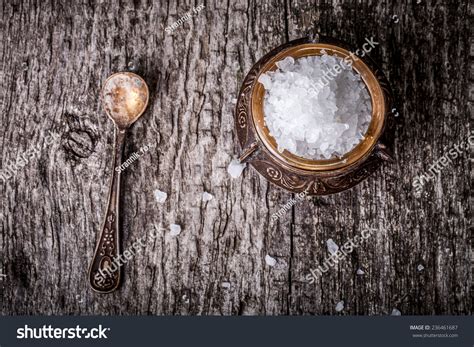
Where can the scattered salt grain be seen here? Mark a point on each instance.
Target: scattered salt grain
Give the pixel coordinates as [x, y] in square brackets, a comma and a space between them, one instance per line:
[396, 312]
[270, 261]
[332, 246]
[316, 107]
[132, 66]
[225, 285]
[235, 168]
[360, 272]
[420, 267]
[175, 229]
[340, 306]
[206, 196]
[160, 196]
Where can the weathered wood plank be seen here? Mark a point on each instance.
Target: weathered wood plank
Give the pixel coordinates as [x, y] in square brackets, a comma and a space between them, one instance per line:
[54, 58]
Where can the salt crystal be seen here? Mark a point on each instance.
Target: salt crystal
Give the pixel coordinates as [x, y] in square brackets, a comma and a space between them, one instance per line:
[420, 267]
[175, 229]
[132, 66]
[396, 312]
[235, 168]
[266, 81]
[160, 196]
[286, 64]
[206, 196]
[332, 246]
[360, 272]
[270, 261]
[316, 107]
[340, 306]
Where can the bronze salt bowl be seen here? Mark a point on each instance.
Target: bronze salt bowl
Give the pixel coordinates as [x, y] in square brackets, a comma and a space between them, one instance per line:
[295, 173]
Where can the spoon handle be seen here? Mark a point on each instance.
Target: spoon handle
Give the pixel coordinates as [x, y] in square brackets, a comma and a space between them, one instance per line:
[104, 270]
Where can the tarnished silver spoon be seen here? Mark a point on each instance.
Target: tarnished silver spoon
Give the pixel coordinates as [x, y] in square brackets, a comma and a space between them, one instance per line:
[125, 98]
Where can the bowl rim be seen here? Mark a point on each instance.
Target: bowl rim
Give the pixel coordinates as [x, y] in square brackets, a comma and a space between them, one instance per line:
[362, 150]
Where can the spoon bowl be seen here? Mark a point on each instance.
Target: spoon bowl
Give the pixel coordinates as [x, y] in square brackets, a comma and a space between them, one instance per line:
[125, 97]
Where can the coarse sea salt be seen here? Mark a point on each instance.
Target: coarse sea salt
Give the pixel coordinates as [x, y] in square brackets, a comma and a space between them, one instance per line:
[332, 246]
[160, 196]
[235, 168]
[340, 306]
[270, 260]
[396, 312]
[316, 107]
[207, 196]
[175, 229]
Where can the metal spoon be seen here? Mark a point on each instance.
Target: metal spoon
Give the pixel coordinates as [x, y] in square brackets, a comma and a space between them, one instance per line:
[125, 98]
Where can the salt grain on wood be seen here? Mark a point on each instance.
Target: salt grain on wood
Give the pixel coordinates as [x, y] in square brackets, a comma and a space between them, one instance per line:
[235, 168]
[396, 312]
[160, 196]
[206, 196]
[270, 260]
[332, 246]
[175, 229]
[340, 306]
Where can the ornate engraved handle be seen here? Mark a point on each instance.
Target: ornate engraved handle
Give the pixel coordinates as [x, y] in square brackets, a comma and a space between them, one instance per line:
[104, 270]
[248, 152]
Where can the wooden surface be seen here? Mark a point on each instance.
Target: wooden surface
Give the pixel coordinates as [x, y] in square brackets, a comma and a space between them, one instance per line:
[55, 56]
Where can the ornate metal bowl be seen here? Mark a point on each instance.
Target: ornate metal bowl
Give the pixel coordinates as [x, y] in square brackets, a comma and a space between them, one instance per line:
[295, 173]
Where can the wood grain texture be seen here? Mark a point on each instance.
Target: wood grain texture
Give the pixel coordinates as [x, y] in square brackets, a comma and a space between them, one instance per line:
[54, 58]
